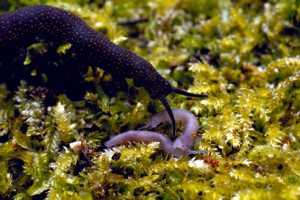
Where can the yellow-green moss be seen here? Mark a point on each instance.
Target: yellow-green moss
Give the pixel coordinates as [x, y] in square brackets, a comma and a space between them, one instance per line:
[243, 53]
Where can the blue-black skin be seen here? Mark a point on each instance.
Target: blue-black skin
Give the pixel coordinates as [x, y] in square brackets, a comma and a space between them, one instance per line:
[93, 48]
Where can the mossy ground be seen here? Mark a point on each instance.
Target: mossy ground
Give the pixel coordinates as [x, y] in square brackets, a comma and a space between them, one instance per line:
[243, 53]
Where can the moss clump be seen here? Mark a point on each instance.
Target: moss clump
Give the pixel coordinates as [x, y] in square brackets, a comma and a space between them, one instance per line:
[243, 53]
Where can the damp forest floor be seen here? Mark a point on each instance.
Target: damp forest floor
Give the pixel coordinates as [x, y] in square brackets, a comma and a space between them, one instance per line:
[244, 54]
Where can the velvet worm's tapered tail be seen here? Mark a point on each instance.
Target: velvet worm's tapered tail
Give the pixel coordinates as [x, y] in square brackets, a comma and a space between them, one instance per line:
[182, 92]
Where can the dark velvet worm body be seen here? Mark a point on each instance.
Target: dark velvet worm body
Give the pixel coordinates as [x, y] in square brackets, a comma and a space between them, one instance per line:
[26, 24]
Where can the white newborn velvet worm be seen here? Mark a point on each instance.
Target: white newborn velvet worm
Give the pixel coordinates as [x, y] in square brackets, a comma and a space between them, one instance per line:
[180, 147]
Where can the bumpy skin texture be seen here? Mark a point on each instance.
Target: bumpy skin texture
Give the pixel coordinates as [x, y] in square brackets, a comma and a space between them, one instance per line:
[23, 26]
[26, 24]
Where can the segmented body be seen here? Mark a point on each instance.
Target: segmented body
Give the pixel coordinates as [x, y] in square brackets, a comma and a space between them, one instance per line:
[24, 25]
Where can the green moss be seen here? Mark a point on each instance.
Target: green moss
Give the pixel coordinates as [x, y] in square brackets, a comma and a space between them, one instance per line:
[243, 53]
